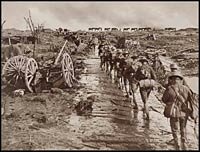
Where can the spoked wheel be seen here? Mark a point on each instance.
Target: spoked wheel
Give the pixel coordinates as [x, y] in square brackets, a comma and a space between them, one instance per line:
[30, 72]
[67, 69]
[14, 69]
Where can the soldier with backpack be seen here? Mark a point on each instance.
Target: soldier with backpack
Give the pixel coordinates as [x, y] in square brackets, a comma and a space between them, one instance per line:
[129, 76]
[118, 66]
[177, 98]
[145, 73]
[102, 54]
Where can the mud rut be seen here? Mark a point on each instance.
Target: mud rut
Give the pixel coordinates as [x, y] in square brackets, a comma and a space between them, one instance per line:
[113, 124]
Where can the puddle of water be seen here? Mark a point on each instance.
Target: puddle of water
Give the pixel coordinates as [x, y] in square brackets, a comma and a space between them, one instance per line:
[193, 82]
[122, 122]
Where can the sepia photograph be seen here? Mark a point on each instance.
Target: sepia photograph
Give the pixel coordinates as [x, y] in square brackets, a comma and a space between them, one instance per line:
[100, 75]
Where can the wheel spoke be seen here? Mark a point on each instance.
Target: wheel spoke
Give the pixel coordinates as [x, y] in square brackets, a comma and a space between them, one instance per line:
[66, 70]
[10, 74]
[70, 64]
[66, 66]
[14, 61]
[28, 70]
[66, 74]
[12, 65]
[71, 74]
[31, 67]
[68, 60]
[31, 70]
[65, 61]
[22, 63]
[17, 61]
[29, 81]
[34, 67]
[9, 69]
[71, 68]
[29, 76]
[68, 78]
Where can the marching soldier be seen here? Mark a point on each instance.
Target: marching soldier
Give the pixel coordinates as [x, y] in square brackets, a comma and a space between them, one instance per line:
[178, 94]
[145, 72]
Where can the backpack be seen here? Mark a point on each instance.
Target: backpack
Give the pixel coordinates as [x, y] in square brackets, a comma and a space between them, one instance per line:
[144, 73]
[193, 100]
[192, 107]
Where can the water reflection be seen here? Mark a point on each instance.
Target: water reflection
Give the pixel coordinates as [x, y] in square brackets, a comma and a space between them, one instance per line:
[120, 121]
[134, 116]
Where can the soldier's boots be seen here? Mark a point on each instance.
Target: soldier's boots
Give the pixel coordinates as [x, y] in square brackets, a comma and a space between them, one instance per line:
[146, 111]
[176, 144]
[183, 145]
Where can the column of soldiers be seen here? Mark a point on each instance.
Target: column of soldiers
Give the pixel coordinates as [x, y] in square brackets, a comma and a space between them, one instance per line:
[131, 72]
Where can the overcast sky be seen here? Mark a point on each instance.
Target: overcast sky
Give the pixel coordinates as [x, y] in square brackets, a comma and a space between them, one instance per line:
[81, 15]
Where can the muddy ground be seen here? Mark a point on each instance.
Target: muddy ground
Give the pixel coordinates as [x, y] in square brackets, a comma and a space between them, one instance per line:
[47, 121]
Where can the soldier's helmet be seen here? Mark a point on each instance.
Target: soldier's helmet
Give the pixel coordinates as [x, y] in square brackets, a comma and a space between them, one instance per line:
[176, 74]
[173, 66]
[113, 48]
[143, 59]
[119, 51]
[134, 57]
[105, 46]
[126, 52]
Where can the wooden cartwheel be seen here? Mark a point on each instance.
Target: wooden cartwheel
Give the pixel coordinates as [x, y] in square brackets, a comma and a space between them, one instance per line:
[67, 69]
[65, 63]
[20, 68]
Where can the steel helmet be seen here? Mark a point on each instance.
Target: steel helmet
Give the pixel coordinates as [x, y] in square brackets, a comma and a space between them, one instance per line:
[143, 59]
[134, 57]
[126, 52]
[176, 74]
[119, 51]
[173, 66]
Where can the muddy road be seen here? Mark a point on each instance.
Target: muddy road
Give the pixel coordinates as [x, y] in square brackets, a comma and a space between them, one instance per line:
[113, 124]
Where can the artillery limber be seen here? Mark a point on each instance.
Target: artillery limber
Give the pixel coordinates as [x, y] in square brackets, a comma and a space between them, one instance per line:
[21, 69]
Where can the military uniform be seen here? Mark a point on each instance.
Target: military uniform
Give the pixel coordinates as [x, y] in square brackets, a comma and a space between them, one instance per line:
[101, 55]
[145, 72]
[180, 94]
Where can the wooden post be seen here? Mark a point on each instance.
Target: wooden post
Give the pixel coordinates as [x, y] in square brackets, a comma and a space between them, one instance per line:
[34, 31]
[56, 61]
[3, 24]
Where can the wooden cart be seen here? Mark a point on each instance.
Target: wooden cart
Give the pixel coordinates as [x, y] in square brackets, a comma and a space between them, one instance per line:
[23, 68]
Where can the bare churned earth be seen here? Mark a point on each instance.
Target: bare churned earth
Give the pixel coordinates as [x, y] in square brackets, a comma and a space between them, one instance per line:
[40, 107]
[112, 125]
